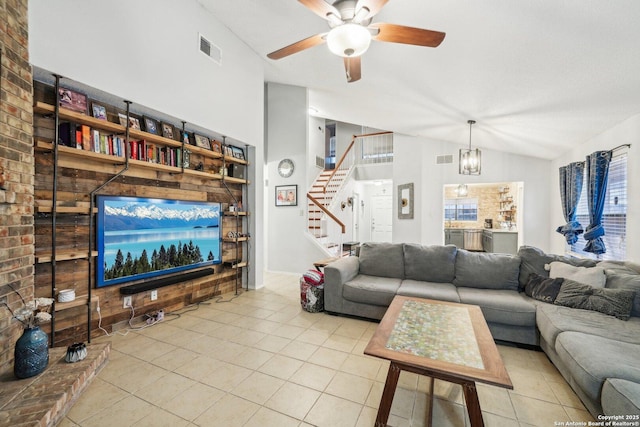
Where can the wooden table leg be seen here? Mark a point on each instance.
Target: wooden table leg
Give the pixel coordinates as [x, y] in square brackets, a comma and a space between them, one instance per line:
[473, 404]
[431, 400]
[387, 395]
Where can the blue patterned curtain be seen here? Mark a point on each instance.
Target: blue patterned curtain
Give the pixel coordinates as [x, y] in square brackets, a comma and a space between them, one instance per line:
[571, 177]
[597, 175]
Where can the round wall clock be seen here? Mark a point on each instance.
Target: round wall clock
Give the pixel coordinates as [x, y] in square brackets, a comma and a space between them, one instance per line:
[285, 168]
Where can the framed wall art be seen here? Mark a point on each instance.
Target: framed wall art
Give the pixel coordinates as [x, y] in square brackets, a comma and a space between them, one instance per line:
[202, 141]
[216, 146]
[151, 125]
[167, 130]
[73, 100]
[134, 123]
[286, 195]
[98, 111]
[405, 201]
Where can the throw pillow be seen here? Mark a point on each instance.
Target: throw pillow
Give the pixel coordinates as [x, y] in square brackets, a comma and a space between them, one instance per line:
[486, 270]
[620, 266]
[593, 276]
[614, 302]
[618, 280]
[382, 260]
[542, 288]
[429, 263]
[314, 277]
[534, 260]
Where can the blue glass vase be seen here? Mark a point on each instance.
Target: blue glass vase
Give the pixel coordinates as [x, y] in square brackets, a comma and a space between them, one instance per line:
[31, 355]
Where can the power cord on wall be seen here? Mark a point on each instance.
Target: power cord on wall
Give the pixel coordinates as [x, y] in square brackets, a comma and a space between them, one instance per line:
[154, 317]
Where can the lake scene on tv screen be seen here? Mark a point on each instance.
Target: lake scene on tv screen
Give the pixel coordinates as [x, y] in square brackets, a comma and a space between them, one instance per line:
[140, 237]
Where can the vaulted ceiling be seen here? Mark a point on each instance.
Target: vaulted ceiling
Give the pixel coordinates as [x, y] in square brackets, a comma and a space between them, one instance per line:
[538, 76]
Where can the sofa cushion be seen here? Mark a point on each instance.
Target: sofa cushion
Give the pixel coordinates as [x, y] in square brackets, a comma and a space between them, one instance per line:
[593, 276]
[429, 263]
[486, 270]
[543, 289]
[614, 302]
[534, 259]
[590, 360]
[382, 260]
[430, 290]
[620, 397]
[554, 319]
[628, 267]
[618, 280]
[500, 306]
[371, 289]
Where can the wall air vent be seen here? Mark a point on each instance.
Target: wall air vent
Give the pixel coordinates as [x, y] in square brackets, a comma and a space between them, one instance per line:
[320, 162]
[444, 159]
[210, 49]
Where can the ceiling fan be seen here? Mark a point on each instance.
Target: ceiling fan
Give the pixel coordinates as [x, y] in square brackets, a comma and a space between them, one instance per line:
[352, 31]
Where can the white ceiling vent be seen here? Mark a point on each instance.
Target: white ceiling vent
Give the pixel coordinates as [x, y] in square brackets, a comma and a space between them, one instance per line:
[444, 159]
[210, 49]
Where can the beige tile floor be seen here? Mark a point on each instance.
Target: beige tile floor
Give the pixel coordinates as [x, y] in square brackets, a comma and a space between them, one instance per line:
[259, 360]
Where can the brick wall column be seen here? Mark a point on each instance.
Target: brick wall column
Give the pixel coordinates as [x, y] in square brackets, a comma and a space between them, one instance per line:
[17, 166]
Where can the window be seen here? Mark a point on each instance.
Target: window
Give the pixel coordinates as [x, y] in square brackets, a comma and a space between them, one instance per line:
[614, 218]
[461, 209]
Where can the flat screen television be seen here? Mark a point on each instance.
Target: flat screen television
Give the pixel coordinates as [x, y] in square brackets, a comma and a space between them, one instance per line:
[140, 238]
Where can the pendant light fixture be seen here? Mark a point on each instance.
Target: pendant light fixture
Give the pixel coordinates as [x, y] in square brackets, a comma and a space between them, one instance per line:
[470, 160]
[462, 190]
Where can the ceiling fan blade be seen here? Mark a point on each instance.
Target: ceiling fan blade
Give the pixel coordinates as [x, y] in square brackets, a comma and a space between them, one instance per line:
[352, 67]
[373, 7]
[298, 46]
[321, 8]
[407, 35]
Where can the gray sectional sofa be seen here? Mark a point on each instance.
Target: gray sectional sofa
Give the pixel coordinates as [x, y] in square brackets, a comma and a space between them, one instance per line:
[598, 354]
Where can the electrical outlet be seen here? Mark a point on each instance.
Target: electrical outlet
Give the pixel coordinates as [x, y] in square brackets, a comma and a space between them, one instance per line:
[126, 302]
[154, 294]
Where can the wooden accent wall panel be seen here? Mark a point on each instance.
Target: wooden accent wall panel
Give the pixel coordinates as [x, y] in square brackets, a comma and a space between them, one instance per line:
[77, 178]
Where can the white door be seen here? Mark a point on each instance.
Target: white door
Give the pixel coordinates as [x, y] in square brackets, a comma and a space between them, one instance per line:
[381, 218]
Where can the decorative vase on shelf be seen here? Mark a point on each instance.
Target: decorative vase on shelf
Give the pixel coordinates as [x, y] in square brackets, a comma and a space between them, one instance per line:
[31, 355]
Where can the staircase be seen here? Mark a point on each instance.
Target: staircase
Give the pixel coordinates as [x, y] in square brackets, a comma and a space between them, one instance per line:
[323, 191]
[323, 224]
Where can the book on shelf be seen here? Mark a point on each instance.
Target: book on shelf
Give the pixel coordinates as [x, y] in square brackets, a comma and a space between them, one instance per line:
[86, 137]
[96, 138]
[68, 134]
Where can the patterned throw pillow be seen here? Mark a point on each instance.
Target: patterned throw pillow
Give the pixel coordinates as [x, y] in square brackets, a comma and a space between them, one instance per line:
[314, 277]
[542, 288]
[614, 302]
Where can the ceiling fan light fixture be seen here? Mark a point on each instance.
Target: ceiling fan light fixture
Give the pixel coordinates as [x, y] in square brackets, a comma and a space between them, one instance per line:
[349, 40]
[470, 160]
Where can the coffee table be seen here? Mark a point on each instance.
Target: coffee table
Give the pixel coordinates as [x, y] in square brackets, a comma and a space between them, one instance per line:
[441, 340]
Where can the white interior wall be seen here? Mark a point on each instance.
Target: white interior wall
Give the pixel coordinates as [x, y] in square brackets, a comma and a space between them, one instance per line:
[344, 135]
[627, 132]
[147, 52]
[415, 161]
[288, 247]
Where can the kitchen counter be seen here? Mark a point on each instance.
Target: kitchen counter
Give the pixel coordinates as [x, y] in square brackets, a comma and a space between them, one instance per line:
[498, 240]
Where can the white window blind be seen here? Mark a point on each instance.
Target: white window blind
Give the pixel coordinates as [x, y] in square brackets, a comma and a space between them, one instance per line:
[614, 218]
